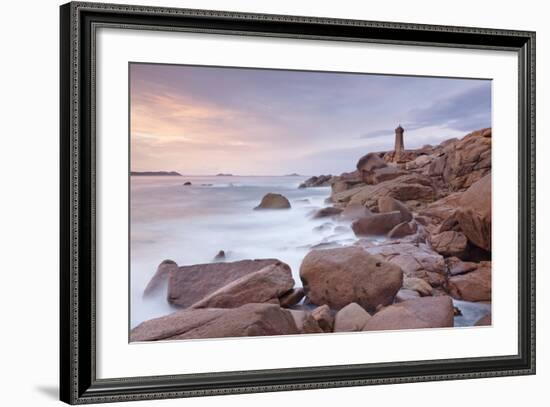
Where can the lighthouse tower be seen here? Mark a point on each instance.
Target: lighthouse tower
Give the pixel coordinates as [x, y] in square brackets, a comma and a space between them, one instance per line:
[399, 146]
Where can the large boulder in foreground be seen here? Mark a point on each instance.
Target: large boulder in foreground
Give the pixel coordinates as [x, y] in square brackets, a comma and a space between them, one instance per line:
[190, 284]
[351, 318]
[426, 312]
[340, 276]
[264, 285]
[474, 285]
[273, 201]
[474, 215]
[248, 320]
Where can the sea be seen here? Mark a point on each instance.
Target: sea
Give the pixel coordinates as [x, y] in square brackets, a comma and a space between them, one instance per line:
[190, 224]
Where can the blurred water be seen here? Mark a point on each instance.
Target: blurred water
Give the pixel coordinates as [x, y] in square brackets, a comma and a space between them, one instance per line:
[190, 224]
[471, 312]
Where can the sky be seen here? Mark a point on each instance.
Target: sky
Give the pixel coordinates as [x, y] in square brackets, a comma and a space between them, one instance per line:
[208, 120]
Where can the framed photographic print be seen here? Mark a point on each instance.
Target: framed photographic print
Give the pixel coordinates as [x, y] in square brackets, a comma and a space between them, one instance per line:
[256, 203]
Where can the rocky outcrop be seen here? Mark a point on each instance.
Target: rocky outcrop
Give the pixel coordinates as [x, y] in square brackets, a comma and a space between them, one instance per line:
[190, 284]
[160, 276]
[329, 211]
[305, 322]
[410, 187]
[485, 320]
[316, 181]
[464, 161]
[419, 162]
[324, 318]
[474, 285]
[273, 201]
[355, 211]
[403, 229]
[292, 297]
[417, 284]
[427, 312]
[345, 181]
[449, 243]
[264, 285]
[416, 260]
[383, 174]
[340, 276]
[310, 325]
[405, 294]
[455, 266]
[389, 204]
[474, 215]
[402, 157]
[248, 320]
[441, 209]
[453, 165]
[376, 224]
[368, 163]
[220, 256]
[351, 318]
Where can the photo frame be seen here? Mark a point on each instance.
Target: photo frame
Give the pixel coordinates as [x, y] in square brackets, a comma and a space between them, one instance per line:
[81, 216]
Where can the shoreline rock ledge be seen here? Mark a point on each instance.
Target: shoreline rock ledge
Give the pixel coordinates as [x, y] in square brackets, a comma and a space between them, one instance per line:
[249, 320]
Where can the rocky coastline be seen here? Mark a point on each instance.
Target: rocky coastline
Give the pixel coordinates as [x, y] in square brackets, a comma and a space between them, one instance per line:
[422, 222]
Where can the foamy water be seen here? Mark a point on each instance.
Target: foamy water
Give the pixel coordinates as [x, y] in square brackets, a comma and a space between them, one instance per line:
[190, 224]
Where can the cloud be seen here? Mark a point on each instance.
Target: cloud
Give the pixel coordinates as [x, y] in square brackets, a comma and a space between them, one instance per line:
[466, 111]
[197, 119]
[376, 133]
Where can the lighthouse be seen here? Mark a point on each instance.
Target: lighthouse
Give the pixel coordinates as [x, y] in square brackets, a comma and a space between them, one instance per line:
[399, 140]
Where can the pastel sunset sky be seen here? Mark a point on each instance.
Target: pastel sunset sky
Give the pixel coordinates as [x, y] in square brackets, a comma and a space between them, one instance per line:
[207, 120]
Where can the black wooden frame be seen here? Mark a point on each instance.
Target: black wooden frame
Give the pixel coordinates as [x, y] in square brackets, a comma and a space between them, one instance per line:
[78, 382]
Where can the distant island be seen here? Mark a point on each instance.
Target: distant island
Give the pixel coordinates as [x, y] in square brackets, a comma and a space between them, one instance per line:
[221, 174]
[156, 173]
[294, 174]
